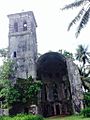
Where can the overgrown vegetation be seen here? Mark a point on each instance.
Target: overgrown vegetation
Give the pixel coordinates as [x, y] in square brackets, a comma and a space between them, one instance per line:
[24, 90]
[22, 117]
[86, 111]
[28, 90]
[74, 117]
[83, 57]
[8, 94]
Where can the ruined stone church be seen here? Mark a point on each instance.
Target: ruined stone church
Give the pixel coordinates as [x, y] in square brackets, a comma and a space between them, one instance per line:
[61, 93]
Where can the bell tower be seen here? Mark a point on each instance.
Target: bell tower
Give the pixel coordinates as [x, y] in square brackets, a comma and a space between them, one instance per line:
[23, 43]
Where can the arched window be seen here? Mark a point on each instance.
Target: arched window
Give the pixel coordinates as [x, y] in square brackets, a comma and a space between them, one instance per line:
[24, 26]
[16, 27]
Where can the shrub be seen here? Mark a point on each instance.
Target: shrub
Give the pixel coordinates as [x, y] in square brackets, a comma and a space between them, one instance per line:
[1, 118]
[86, 112]
[23, 117]
[5, 118]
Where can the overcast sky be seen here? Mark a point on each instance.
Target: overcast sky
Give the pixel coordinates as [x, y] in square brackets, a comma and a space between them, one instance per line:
[52, 24]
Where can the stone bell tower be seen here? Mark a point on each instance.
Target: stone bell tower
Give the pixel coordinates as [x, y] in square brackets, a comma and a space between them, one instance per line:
[23, 43]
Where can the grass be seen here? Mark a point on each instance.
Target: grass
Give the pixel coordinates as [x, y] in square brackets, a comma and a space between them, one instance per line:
[36, 117]
[22, 117]
[74, 117]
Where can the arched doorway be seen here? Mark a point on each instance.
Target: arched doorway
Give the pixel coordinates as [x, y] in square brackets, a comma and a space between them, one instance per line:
[55, 97]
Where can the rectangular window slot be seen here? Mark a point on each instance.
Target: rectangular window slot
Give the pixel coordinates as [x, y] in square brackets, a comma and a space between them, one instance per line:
[14, 54]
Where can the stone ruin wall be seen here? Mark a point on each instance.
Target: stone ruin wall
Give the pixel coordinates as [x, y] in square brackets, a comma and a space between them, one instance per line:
[23, 43]
[76, 85]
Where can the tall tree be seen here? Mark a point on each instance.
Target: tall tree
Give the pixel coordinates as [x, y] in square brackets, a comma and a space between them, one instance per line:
[8, 94]
[82, 54]
[83, 15]
[85, 73]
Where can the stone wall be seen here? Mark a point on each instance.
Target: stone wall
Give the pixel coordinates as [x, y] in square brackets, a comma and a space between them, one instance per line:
[23, 43]
[76, 85]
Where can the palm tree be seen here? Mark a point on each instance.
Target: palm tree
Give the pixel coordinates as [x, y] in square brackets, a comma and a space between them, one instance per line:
[82, 54]
[84, 74]
[82, 16]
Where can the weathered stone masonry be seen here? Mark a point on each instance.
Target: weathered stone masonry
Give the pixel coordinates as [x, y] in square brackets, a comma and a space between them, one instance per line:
[61, 92]
[23, 43]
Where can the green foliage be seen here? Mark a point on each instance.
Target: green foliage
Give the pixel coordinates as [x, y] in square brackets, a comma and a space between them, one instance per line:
[82, 54]
[87, 99]
[66, 54]
[6, 69]
[3, 52]
[24, 91]
[87, 96]
[85, 83]
[28, 90]
[23, 117]
[84, 73]
[86, 112]
[9, 95]
[7, 91]
[72, 117]
[36, 117]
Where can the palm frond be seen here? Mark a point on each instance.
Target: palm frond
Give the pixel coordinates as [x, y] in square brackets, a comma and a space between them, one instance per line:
[83, 22]
[80, 50]
[77, 18]
[87, 80]
[87, 74]
[75, 4]
[86, 48]
[86, 83]
[88, 53]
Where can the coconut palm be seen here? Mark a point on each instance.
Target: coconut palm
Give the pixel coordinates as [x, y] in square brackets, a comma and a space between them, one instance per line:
[82, 54]
[84, 74]
[82, 16]
[86, 83]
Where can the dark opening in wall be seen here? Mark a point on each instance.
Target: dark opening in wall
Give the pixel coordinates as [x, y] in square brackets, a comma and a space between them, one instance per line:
[14, 54]
[24, 26]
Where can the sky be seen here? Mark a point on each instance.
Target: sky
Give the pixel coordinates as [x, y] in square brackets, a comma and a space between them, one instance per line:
[52, 22]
